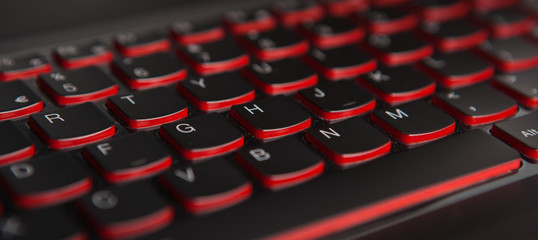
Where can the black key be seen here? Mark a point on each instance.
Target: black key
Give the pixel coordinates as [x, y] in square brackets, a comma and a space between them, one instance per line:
[148, 108]
[489, 5]
[414, 122]
[186, 33]
[217, 92]
[340, 63]
[214, 57]
[271, 117]
[336, 100]
[510, 55]
[282, 163]
[507, 22]
[337, 202]
[72, 126]
[77, 86]
[240, 22]
[82, 54]
[397, 49]
[521, 86]
[441, 10]
[128, 158]
[149, 71]
[18, 100]
[456, 69]
[207, 186]
[331, 32]
[453, 35]
[45, 180]
[132, 44]
[387, 20]
[203, 136]
[276, 44]
[14, 146]
[342, 8]
[398, 84]
[475, 105]
[35, 224]
[521, 133]
[126, 211]
[24, 66]
[280, 77]
[349, 142]
[293, 12]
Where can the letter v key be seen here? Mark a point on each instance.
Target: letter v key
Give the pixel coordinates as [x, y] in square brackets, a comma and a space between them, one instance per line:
[187, 175]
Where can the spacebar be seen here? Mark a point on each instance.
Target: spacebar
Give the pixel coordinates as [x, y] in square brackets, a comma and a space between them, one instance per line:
[355, 196]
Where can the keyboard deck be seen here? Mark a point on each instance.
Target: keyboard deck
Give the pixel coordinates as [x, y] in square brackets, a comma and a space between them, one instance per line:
[296, 120]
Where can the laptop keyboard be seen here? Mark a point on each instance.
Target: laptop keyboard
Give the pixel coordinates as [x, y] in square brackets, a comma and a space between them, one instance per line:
[291, 122]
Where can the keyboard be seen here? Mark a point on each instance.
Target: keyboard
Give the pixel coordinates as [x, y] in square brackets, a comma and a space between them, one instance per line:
[293, 120]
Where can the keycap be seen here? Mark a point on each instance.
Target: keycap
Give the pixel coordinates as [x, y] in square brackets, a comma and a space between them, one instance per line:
[214, 57]
[331, 32]
[456, 69]
[387, 3]
[207, 186]
[216, 92]
[148, 108]
[133, 44]
[387, 20]
[340, 63]
[240, 22]
[506, 22]
[282, 163]
[186, 32]
[35, 224]
[441, 10]
[520, 133]
[271, 117]
[276, 44]
[72, 126]
[77, 86]
[126, 211]
[414, 122]
[397, 84]
[82, 54]
[349, 142]
[475, 105]
[149, 71]
[489, 5]
[293, 12]
[18, 100]
[367, 194]
[23, 66]
[341, 8]
[14, 146]
[45, 180]
[336, 100]
[397, 49]
[453, 35]
[128, 158]
[203, 136]
[522, 86]
[510, 55]
[280, 77]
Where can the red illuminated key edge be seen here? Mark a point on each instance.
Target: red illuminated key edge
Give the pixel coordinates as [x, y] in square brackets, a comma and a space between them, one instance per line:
[456, 44]
[401, 25]
[203, 205]
[210, 35]
[412, 138]
[278, 53]
[513, 142]
[81, 98]
[314, 13]
[285, 180]
[458, 10]
[508, 65]
[17, 155]
[529, 102]
[217, 67]
[365, 214]
[265, 24]
[22, 111]
[398, 98]
[459, 80]
[337, 114]
[152, 82]
[471, 121]
[196, 154]
[341, 73]
[25, 73]
[162, 45]
[215, 105]
[126, 175]
[392, 59]
[266, 134]
[348, 159]
[275, 89]
[84, 61]
[341, 39]
[144, 123]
